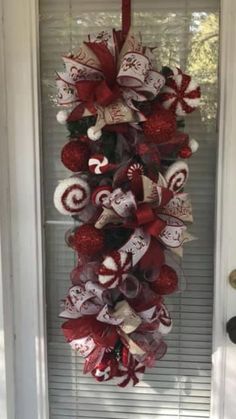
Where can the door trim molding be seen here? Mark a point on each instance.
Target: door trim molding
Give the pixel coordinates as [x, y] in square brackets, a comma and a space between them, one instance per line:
[7, 395]
[23, 213]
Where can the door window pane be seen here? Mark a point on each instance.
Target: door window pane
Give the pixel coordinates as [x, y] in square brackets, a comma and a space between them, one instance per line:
[186, 34]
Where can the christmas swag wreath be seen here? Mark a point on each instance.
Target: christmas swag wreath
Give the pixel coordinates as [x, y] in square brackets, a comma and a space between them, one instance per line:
[128, 160]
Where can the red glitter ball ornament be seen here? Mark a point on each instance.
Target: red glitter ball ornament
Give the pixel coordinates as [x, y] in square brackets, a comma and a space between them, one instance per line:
[87, 240]
[185, 152]
[84, 139]
[75, 156]
[160, 126]
[167, 282]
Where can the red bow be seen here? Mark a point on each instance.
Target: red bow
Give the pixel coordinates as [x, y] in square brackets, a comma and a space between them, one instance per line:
[91, 91]
[102, 92]
[147, 217]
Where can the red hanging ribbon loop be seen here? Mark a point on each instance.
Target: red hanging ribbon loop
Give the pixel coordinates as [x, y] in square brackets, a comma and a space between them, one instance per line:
[126, 17]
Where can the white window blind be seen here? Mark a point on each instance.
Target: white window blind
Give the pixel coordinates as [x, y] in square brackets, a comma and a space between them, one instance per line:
[186, 34]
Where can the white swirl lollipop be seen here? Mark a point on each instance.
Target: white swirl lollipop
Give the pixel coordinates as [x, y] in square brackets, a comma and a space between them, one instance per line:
[177, 175]
[101, 193]
[71, 195]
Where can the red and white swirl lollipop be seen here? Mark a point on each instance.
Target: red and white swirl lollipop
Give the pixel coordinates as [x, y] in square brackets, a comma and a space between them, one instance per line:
[71, 195]
[99, 164]
[177, 175]
[99, 194]
[180, 94]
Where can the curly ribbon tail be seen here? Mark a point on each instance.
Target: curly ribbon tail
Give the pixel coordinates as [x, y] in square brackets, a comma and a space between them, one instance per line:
[126, 17]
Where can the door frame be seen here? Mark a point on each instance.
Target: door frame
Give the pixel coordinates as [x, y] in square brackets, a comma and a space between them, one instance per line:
[22, 294]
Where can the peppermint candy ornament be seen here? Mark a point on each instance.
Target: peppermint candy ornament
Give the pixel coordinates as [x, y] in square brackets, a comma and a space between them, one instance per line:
[180, 94]
[114, 269]
[99, 164]
[106, 369]
[134, 169]
[165, 320]
[131, 373]
[72, 195]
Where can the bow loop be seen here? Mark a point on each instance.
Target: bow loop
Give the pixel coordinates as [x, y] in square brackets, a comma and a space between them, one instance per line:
[133, 71]
[108, 81]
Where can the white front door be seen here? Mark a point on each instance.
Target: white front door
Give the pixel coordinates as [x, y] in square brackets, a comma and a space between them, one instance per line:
[183, 385]
[224, 351]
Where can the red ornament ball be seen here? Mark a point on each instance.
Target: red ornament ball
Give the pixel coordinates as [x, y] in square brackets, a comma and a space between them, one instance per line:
[87, 240]
[84, 139]
[75, 156]
[185, 152]
[160, 126]
[167, 282]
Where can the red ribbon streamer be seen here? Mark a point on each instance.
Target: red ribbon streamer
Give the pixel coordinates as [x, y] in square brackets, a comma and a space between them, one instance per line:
[108, 64]
[104, 335]
[126, 17]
